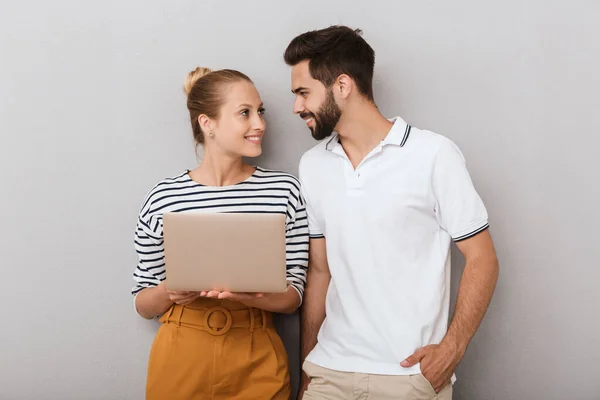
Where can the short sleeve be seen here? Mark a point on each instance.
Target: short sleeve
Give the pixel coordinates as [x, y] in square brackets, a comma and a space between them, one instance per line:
[459, 208]
[315, 229]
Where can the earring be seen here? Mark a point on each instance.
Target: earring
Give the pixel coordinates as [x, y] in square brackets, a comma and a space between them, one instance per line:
[211, 135]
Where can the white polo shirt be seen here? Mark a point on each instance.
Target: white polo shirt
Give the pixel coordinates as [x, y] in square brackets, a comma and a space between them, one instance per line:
[388, 227]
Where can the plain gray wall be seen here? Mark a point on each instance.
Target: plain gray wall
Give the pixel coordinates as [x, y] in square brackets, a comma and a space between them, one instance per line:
[92, 114]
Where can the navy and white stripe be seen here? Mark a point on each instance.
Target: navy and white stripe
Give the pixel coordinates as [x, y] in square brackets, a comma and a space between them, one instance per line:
[265, 191]
[472, 233]
[406, 135]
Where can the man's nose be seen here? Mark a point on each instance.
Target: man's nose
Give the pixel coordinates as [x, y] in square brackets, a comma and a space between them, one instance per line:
[298, 105]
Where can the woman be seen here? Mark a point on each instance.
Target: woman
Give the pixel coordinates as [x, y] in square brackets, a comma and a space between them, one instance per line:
[190, 360]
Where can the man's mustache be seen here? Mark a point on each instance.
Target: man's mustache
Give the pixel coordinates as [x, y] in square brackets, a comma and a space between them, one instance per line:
[307, 115]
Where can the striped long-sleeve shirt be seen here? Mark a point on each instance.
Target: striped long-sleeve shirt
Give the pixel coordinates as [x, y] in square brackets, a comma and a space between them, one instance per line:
[265, 191]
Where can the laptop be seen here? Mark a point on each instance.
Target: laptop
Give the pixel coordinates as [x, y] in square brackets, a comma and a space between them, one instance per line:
[235, 252]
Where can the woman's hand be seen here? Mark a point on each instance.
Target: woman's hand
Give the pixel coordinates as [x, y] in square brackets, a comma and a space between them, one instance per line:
[182, 298]
[285, 302]
[241, 297]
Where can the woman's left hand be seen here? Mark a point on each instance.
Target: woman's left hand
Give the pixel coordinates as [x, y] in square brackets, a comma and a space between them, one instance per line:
[216, 294]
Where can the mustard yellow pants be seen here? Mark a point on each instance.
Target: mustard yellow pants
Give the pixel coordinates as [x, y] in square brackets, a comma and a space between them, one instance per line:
[217, 350]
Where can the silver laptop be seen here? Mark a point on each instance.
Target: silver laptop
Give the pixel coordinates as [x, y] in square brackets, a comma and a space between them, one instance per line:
[225, 251]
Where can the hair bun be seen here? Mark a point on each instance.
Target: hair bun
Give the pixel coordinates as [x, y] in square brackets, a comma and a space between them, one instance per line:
[193, 77]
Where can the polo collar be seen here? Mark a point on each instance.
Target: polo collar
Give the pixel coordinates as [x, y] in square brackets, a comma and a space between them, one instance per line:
[399, 133]
[397, 136]
[333, 142]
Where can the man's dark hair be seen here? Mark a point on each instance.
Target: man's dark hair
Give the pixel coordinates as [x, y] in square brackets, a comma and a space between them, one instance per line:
[334, 51]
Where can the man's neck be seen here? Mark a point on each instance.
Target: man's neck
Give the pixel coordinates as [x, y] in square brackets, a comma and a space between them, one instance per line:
[361, 129]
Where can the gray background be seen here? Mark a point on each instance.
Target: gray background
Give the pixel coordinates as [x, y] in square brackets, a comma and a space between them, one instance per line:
[92, 115]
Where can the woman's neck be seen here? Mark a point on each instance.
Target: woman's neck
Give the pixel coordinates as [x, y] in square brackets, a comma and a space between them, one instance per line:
[221, 170]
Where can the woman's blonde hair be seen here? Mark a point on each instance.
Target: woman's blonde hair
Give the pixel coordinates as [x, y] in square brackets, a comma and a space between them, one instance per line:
[205, 94]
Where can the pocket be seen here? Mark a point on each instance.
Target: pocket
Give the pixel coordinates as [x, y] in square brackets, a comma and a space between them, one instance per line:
[420, 383]
[309, 369]
[161, 352]
[314, 372]
[276, 343]
[320, 383]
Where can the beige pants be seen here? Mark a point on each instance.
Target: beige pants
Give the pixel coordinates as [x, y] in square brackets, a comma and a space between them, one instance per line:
[327, 384]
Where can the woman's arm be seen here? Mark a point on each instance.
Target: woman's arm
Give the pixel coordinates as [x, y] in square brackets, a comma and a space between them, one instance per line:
[154, 301]
[152, 298]
[296, 244]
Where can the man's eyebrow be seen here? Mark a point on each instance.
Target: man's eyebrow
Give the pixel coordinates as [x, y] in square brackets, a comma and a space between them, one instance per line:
[297, 90]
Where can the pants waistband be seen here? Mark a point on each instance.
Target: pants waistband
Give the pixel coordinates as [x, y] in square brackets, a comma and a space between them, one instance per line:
[218, 319]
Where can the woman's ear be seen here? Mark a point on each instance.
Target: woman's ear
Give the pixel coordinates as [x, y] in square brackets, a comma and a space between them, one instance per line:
[205, 124]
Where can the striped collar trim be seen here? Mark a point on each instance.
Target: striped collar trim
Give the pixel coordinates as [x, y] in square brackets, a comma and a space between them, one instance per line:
[397, 135]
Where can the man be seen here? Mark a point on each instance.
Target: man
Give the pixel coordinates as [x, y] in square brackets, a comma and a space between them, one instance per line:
[384, 200]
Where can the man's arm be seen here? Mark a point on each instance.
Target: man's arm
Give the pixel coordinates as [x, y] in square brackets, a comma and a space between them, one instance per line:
[475, 291]
[313, 307]
[477, 285]
[317, 282]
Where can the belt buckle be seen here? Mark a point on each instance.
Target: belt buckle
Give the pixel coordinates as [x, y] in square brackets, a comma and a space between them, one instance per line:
[228, 322]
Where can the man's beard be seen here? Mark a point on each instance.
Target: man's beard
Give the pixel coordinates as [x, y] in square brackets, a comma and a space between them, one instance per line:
[326, 118]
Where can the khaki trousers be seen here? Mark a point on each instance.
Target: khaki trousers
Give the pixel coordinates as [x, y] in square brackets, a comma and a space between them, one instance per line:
[217, 349]
[328, 384]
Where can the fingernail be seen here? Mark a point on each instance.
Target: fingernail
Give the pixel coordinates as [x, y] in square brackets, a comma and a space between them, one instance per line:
[404, 363]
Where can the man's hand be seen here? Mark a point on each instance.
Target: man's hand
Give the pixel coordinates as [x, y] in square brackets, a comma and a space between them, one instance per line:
[438, 363]
[304, 382]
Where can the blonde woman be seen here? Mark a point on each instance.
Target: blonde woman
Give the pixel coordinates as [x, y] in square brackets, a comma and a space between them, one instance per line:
[195, 354]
